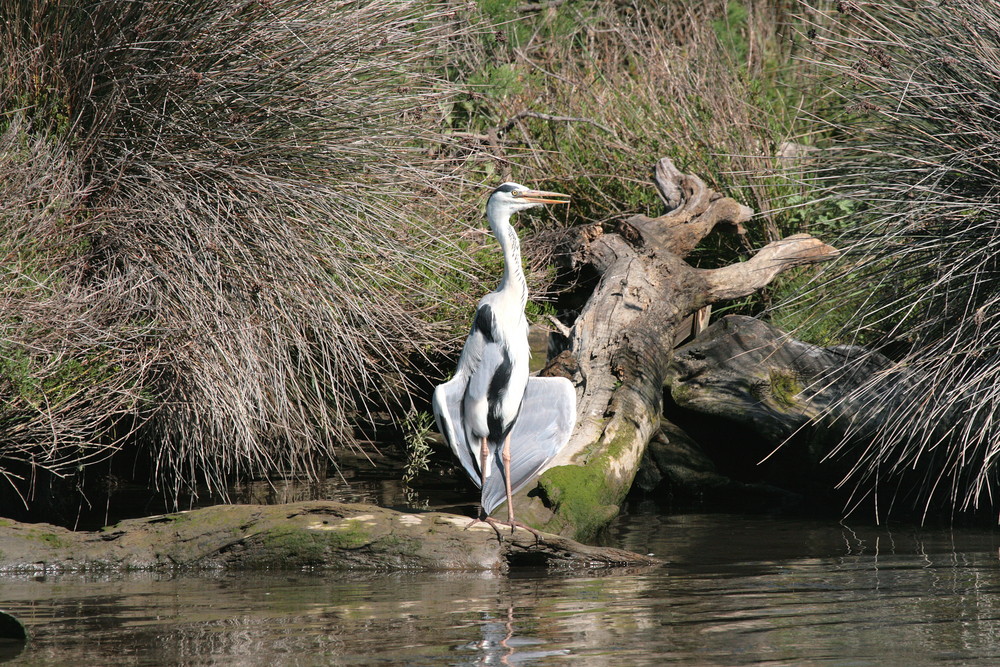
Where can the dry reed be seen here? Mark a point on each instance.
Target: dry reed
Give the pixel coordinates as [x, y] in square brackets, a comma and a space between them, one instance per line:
[918, 132]
[207, 230]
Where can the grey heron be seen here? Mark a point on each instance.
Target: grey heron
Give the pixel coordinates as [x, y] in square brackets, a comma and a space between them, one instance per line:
[503, 425]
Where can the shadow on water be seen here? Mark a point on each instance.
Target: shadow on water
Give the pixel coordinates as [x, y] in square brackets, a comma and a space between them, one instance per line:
[13, 636]
[736, 590]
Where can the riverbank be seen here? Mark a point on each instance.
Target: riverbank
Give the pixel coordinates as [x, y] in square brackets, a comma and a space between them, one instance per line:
[736, 590]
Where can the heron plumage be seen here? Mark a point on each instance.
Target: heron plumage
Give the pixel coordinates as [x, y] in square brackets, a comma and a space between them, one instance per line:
[491, 403]
[546, 420]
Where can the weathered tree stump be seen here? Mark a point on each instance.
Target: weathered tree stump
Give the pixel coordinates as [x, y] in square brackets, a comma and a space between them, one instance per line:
[622, 341]
[316, 534]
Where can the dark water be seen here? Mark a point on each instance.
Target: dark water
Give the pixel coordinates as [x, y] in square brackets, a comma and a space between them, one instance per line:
[736, 590]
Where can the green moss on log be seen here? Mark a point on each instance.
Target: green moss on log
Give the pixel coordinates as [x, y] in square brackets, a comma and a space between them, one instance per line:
[587, 497]
[310, 546]
[680, 393]
[784, 387]
[49, 539]
[401, 548]
[52, 540]
[581, 497]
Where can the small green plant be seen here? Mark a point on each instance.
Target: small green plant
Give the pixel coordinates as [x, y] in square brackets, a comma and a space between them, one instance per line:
[417, 426]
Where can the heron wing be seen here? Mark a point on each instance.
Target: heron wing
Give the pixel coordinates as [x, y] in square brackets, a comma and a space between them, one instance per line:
[462, 407]
[447, 405]
[542, 429]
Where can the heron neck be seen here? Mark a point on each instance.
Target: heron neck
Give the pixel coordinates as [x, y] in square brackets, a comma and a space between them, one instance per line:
[513, 275]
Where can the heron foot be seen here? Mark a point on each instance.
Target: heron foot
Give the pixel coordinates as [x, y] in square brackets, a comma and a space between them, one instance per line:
[517, 524]
[493, 523]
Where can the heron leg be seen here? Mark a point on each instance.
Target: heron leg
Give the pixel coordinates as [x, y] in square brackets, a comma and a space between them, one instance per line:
[484, 455]
[484, 458]
[505, 456]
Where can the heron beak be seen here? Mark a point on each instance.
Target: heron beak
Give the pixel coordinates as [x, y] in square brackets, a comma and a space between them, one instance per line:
[542, 197]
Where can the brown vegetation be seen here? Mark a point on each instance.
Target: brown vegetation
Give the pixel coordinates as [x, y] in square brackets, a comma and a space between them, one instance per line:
[205, 236]
[915, 164]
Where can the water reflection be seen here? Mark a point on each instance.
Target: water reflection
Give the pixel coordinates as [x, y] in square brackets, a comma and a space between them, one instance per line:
[736, 590]
[500, 645]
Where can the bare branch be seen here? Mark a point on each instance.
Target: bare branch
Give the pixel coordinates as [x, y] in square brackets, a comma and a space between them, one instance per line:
[694, 210]
[559, 326]
[506, 127]
[738, 280]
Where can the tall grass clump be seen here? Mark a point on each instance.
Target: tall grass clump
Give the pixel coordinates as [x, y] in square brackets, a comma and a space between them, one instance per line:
[918, 140]
[207, 230]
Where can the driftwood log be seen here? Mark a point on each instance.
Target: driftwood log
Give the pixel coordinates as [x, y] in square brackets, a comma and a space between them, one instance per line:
[621, 344]
[762, 420]
[748, 373]
[316, 534]
[755, 417]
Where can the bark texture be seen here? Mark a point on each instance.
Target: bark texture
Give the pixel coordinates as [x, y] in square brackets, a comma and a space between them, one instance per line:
[757, 416]
[775, 423]
[315, 534]
[745, 371]
[621, 344]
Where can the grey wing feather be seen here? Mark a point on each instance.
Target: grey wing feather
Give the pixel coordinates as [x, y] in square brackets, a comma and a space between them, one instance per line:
[447, 405]
[448, 398]
[542, 429]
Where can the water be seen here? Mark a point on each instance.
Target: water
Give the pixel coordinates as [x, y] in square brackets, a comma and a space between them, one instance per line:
[735, 590]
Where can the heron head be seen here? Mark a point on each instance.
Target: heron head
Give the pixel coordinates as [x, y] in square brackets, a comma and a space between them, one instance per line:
[515, 197]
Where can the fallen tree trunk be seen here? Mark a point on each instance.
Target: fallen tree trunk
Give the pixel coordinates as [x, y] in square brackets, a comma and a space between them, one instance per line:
[744, 371]
[764, 420]
[755, 416]
[316, 534]
[622, 341]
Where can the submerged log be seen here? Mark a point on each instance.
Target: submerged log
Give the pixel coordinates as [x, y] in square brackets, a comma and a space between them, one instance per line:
[316, 534]
[621, 343]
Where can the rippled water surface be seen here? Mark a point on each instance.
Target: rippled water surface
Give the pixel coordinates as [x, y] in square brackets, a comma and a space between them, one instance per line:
[735, 590]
